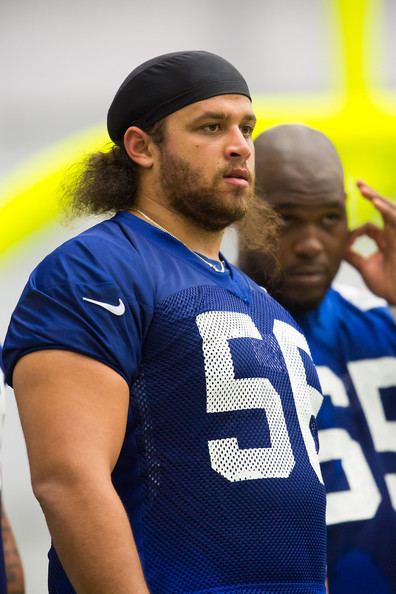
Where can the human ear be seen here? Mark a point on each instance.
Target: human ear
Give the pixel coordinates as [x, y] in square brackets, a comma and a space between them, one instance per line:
[137, 144]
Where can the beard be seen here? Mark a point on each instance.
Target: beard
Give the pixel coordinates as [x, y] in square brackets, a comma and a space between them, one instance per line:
[206, 205]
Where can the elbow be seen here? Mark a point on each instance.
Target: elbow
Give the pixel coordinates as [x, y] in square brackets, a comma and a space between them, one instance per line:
[46, 490]
[53, 488]
[68, 484]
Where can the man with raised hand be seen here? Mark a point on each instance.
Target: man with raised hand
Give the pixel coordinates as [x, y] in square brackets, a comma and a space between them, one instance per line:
[167, 401]
[352, 337]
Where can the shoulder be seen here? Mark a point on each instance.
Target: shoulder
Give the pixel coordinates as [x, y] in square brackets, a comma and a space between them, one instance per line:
[242, 278]
[91, 295]
[355, 312]
[264, 299]
[102, 253]
[360, 298]
[354, 303]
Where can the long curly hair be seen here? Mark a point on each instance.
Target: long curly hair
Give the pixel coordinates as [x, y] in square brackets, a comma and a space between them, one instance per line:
[105, 182]
[259, 234]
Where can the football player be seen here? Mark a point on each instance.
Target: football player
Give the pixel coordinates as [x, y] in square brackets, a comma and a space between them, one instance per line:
[352, 336]
[167, 400]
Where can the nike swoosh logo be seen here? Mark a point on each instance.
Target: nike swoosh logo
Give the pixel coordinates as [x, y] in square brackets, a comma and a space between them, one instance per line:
[117, 310]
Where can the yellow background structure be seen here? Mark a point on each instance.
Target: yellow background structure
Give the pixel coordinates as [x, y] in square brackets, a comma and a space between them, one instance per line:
[358, 115]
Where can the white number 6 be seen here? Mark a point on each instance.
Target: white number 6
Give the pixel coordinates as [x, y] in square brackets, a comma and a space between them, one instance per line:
[226, 393]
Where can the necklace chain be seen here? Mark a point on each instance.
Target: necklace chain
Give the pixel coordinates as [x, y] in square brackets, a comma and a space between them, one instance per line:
[155, 224]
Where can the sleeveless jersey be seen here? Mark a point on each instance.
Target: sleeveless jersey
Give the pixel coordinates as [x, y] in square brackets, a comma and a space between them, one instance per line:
[218, 472]
[3, 580]
[352, 336]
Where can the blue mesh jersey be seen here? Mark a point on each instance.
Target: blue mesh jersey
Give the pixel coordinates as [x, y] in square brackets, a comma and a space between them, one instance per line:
[3, 580]
[219, 472]
[352, 336]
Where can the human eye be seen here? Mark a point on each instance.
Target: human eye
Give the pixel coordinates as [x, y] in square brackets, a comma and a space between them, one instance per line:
[330, 219]
[211, 127]
[286, 220]
[247, 130]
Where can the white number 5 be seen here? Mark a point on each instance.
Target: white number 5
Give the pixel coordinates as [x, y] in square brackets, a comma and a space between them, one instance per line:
[362, 499]
[226, 393]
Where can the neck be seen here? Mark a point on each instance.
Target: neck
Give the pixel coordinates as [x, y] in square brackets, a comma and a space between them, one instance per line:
[196, 239]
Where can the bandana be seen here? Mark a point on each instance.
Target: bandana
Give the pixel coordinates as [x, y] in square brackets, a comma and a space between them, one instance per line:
[161, 86]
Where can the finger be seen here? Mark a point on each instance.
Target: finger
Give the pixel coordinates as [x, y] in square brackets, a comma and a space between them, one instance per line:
[373, 232]
[366, 190]
[356, 260]
[386, 207]
[387, 210]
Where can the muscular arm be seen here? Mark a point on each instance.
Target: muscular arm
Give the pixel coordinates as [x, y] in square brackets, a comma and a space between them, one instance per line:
[13, 564]
[73, 411]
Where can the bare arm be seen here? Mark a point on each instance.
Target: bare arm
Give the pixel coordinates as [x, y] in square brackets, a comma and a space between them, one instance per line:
[73, 411]
[379, 269]
[13, 564]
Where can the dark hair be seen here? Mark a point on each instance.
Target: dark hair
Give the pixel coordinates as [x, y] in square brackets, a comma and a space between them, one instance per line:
[259, 242]
[259, 229]
[106, 181]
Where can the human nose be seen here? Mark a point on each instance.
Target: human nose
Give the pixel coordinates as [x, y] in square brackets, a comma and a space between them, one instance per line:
[238, 145]
[308, 244]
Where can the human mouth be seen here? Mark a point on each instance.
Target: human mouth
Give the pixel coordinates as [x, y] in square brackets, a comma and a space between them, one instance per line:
[238, 177]
[307, 275]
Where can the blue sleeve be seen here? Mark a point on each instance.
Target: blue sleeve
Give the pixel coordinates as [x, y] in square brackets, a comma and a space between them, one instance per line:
[56, 311]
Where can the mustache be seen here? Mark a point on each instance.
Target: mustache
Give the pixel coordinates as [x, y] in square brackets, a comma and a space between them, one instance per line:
[227, 171]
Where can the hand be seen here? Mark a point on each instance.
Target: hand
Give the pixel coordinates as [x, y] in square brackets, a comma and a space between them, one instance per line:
[379, 269]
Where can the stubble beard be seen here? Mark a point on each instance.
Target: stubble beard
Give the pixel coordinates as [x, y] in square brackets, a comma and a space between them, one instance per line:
[205, 205]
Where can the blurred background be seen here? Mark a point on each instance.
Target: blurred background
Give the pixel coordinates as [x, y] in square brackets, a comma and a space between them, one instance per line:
[330, 64]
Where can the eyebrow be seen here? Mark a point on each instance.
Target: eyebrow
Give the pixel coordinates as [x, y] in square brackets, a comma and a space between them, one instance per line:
[220, 115]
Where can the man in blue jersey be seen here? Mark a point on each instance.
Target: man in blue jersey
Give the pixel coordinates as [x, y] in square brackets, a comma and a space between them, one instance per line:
[167, 401]
[352, 337]
[11, 571]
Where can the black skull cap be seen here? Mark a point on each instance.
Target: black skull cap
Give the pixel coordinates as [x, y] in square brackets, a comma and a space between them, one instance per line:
[164, 84]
